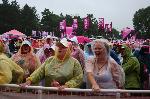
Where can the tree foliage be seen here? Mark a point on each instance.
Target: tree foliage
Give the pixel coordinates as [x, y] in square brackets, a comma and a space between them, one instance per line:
[26, 19]
[9, 16]
[12, 17]
[50, 22]
[29, 20]
[5, 2]
[141, 22]
[115, 34]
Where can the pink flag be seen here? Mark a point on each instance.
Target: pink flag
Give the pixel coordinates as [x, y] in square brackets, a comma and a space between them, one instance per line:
[69, 31]
[101, 23]
[110, 28]
[106, 27]
[75, 24]
[64, 24]
[86, 23]
[61, 26]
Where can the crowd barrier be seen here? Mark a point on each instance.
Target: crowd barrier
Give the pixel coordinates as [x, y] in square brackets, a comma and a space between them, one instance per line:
[13, 91]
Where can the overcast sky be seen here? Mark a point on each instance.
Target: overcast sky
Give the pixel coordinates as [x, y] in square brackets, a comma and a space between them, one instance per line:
[120, 12]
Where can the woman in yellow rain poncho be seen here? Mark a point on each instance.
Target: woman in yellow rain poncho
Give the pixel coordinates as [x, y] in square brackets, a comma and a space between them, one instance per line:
[10, 72]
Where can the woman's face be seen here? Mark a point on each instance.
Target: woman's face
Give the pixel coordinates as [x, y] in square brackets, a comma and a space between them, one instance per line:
[89, 48]
[20, 41]
[62, 50]
[99, 49]
[122, 52]
[25, 49]
[52, 52]
[49, 41]
[49, 52]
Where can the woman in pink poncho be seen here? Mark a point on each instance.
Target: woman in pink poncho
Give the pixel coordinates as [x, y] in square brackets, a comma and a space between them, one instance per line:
[26, 59]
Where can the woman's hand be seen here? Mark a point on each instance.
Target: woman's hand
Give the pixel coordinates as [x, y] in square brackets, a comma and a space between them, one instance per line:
[27, 83]
[62, 87]
[96, 88]
[55, 84]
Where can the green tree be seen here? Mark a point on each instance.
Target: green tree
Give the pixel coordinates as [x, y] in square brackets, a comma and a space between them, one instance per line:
[115, 34]
[29, 20]
[15, 15]
[141, 22]
[5, 2]
[93, 30]
[80, 29]
[9, 16]
[62, 16]
[69, 20]
[50, 22]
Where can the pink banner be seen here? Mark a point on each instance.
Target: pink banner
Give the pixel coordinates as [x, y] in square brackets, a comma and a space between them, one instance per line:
[69, 31]
[110, 28]
[62, 25]
[106, 27]
[86, 23]
[75, 24]
[101, 23]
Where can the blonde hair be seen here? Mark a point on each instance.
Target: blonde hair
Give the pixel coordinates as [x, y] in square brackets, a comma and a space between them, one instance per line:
[2, 47]
[103, 42]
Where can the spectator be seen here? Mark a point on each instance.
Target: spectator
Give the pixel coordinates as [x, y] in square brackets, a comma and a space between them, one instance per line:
[47, 52]
[10, 72]
[26, 59]
[77, 52]
[144, 58]
[60, 71]
[131, 67]
[88, 51]
[103, 71]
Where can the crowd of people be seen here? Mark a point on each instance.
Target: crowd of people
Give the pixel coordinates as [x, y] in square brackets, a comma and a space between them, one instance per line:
[99, 64]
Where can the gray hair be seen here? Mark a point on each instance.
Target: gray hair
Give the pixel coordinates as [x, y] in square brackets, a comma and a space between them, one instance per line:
[105, 44]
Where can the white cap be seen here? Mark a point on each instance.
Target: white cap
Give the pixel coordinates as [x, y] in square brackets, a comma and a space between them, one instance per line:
[48, 37]
[4, 39]
[53, 47]
[26, 42]
[63, 41]
[74, 39]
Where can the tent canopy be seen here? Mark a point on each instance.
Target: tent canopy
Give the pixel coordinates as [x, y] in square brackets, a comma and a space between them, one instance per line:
[14, 33]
